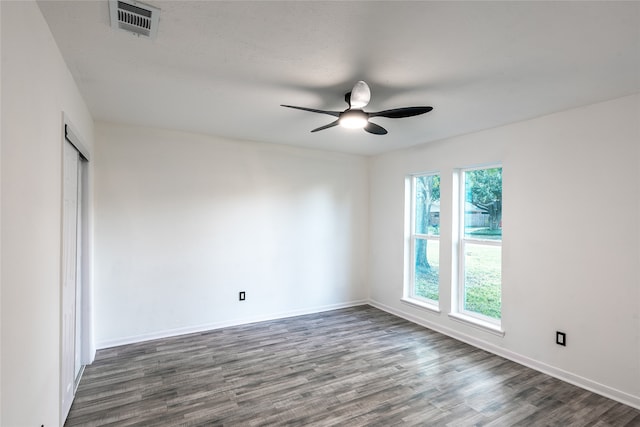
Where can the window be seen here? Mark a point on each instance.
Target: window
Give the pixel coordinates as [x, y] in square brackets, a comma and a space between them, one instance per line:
[480, 245]
[425, 239]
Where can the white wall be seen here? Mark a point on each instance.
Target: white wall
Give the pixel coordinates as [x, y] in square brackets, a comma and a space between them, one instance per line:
[184, 222]
[571, 215]
[36, 88]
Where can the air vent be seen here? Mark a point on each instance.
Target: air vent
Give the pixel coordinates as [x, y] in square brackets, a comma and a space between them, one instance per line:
[135, 17]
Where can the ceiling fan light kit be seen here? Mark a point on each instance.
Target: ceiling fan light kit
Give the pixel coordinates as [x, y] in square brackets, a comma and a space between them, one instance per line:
[356, 118]
[353, 119]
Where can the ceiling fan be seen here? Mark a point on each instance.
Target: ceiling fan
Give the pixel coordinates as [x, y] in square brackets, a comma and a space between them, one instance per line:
[355, 118]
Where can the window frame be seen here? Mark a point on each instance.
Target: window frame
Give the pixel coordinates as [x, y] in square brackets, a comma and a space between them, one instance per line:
[410, 293]
[458, 310]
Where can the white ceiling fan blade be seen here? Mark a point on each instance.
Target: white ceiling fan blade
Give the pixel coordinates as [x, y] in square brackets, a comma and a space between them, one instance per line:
[360, 95]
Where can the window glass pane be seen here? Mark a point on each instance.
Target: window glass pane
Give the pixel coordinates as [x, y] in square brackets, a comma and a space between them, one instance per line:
[427, 203]
[483, 204]
[427, 268]
[482, 279]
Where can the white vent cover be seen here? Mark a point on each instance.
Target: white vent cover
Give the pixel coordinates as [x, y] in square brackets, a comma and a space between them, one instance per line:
[135, 17]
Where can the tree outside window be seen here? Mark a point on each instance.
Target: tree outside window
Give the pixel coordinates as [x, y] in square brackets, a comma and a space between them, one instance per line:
[426, 237]
[481, 244]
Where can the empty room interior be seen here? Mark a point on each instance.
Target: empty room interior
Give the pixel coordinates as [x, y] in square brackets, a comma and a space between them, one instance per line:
[332, 213]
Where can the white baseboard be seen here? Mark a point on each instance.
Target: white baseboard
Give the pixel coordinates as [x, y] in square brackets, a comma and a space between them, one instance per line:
[577, 380]
[218, 325]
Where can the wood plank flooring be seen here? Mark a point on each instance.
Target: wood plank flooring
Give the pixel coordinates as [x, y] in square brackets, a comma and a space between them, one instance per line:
[352, 367]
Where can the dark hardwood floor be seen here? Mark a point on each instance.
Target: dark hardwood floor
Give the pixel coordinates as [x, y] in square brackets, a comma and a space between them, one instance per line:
[351, 367]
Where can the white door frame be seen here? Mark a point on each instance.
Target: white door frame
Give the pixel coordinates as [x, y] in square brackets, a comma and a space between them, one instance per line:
[78, 349]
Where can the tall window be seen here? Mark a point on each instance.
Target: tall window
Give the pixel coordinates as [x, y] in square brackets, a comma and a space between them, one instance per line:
[425, 238]
[480, 244]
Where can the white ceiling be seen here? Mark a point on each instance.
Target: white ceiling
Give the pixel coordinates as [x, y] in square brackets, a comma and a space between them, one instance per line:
[224, 67]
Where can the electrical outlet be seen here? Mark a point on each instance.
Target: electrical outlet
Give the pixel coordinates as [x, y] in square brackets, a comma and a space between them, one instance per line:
[242, 296]
[561, 338]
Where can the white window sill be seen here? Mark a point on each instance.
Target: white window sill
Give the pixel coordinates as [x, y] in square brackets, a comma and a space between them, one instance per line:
[478, 324]
[421, 304]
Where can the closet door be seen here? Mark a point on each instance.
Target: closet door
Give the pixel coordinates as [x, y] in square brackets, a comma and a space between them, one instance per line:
[70, 272]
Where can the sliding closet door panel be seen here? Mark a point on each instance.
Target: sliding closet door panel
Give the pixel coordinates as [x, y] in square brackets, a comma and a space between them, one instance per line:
[69, 272]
